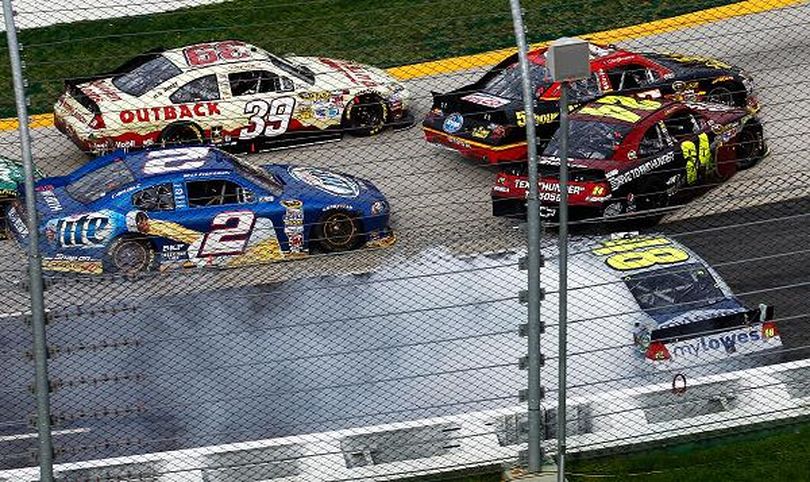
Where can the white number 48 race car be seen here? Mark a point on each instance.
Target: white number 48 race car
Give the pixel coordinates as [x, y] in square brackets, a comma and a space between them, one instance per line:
[228, 93]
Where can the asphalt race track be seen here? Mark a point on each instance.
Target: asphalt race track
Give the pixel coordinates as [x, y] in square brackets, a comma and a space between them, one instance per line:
[426, 328]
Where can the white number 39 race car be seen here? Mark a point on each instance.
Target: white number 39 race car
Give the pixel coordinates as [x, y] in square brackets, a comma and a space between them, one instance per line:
[228, 93]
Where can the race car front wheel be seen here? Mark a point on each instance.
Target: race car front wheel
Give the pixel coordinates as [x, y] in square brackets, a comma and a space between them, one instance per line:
[129, 256]
[750, 145]
[365, 116]
[338, 231]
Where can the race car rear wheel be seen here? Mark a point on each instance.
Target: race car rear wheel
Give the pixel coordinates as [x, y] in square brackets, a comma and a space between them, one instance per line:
[338, 231]
[129, 255]
[750, 145]
[365, 116]
[182, 134]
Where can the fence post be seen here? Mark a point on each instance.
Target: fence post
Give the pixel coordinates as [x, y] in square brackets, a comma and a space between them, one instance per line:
[535, 393]
[42, 386]
[563, 286]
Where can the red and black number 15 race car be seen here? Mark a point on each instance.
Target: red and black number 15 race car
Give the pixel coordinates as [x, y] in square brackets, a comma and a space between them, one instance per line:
[485, 121]
[628, 155]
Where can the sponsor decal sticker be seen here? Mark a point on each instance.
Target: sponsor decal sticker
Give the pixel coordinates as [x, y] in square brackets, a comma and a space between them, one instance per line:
[488, 100]
[453, 123]
[170, 112]
[330, 182]
[294, 224]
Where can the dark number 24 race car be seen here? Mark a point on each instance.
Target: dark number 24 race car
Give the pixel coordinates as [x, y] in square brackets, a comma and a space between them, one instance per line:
[485, 120]
[628, 155]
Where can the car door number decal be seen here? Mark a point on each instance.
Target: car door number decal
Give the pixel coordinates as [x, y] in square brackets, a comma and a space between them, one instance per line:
[229, 234]
[696, 156]
[268, 118]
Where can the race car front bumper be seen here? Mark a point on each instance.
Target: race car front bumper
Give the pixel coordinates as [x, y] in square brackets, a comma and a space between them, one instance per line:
[477, 151]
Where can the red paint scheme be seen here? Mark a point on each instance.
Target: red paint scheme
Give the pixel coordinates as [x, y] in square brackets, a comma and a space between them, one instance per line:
[581, 193]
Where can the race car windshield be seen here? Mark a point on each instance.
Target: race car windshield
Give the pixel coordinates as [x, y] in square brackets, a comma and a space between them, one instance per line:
[146, 76]
[258, 176]
[299, 71]
[667, 292]
[98, 183]
[589, 140]
[507, 83]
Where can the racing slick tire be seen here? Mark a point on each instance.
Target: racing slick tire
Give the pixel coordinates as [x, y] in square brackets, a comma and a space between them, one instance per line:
[129, 255]
[338, 231]
[642, 208]
[750, 145]
[365, 116]
[182, 134]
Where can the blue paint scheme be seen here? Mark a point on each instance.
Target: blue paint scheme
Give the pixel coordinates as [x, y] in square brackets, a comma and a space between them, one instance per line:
[69, 227]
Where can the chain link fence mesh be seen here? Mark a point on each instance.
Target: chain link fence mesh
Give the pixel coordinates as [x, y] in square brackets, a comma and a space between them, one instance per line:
[279, 333]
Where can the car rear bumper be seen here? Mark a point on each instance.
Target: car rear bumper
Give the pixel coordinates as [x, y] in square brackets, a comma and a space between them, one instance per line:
[476, 150]
[69, 128]
[513, 207]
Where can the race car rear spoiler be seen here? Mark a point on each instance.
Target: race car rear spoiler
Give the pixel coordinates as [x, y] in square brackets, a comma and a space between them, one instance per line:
[71, 85]
[687, 331]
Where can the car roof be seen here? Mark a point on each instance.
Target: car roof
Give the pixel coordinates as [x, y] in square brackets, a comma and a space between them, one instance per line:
[159, 162]
[623, 109]
[596, 53]
[182, 56]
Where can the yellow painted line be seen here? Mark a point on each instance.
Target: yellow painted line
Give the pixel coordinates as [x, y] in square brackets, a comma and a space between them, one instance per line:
[34, 121]
[455, 64]
[656, 27]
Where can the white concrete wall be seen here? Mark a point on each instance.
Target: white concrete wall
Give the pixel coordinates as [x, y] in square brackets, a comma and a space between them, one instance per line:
[40, 13]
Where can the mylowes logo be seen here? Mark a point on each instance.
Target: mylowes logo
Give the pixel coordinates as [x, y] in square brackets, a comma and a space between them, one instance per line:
[726, 342]
[453, 123]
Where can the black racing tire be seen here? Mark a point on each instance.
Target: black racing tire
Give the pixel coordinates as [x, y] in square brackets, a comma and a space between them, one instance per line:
[365, 116]
[728, 94]
[182, 134]
[750, 145]
[129, 255]
[338, 231]
[5, 232]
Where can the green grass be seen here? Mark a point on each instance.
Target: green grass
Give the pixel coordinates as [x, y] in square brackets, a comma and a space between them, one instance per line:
[781, 455]
[381, 32]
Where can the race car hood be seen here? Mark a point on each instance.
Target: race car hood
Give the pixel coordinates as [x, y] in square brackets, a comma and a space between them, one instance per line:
[719, 113]
[331, 74]
[323, 185]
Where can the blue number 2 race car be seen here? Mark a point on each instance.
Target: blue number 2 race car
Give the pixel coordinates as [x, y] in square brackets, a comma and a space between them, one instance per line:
[197, 206]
